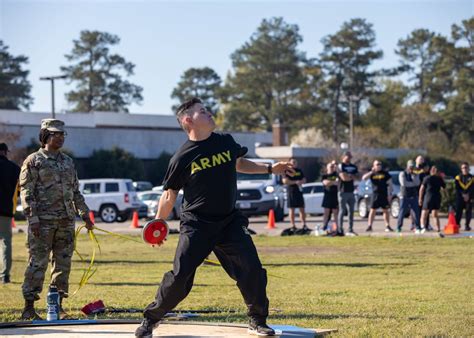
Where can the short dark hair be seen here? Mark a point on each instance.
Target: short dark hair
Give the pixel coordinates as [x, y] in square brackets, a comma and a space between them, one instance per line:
[464, 163]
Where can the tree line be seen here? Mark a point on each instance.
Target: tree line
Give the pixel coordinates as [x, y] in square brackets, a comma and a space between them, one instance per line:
[425, 102]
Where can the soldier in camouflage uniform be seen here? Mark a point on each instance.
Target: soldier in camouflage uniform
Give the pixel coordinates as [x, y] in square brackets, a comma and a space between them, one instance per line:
[50, 197]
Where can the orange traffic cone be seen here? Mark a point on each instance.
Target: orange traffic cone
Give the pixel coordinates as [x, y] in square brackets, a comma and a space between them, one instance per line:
[91, 216]
[13, 223]
[271, 219]
[135, 220]
[452, 227]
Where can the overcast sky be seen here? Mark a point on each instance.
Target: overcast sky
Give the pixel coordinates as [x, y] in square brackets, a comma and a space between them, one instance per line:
[164, 38]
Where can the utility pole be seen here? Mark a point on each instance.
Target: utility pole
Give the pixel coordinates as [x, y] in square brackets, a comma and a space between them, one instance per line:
[52, 78]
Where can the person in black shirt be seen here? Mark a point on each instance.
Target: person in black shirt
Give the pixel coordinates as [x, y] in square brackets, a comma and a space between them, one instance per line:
[409, 187]
[347, 173]
[422, 169]
[295, 196]
[381, 193]
[8, 197]
[205, 167]
[464, 195]
[330, 203]
[430, 197]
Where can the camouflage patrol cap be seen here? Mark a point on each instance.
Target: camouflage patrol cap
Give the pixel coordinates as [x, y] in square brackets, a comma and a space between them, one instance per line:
[52, 125]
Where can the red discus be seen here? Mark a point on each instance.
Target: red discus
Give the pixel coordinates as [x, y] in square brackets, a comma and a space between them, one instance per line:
[155, 232]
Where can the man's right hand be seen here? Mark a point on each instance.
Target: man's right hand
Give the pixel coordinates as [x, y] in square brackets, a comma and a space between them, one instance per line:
[35, 229]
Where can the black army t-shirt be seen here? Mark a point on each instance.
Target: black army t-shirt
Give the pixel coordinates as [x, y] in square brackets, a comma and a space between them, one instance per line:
[206, 172]
[298, 176]
[433, 185]
[332, 189]
[347, 186]
[379, 182]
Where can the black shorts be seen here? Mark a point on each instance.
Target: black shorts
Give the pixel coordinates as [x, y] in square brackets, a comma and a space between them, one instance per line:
[380, 201]
[431, 203]
[295, 199]
[330, 201]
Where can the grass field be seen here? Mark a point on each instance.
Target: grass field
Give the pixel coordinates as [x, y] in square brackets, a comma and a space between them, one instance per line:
[361, 286]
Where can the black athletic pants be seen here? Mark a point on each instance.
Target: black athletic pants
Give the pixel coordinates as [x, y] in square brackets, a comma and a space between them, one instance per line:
[460, 205]
[237, 254]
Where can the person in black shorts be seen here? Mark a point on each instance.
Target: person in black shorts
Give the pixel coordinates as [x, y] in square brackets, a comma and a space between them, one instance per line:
[430, 197]
[464, 183]
[330, 203]
[205, 167]
[381, 194]
[295, 197]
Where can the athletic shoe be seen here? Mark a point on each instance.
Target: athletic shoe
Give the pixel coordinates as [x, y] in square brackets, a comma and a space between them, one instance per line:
[418, 231]
[423, 230]
[430, 228]
[369, 229]
[440, 234]
[351, 233]
[6, 279]
[412, 227]
[388, 228]
[260, 329]
[399, 230]
[145, 330]
[467, 228]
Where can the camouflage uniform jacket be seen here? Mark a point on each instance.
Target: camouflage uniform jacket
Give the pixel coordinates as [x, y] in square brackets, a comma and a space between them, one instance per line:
[50, 188]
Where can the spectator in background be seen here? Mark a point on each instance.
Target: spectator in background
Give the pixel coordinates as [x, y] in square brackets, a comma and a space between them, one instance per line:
[422, 169]
[409, 187]
[464, 195]
[8, 197]
[295, 197]
[430, 197]
[330, 202]
[381, 193]
[347, 173]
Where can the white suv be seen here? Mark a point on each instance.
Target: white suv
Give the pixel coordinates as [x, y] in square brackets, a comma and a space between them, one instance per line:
[258, 193]
[112, 199]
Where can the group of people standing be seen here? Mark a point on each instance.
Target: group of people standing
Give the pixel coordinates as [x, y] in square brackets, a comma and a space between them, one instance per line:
[420, 195]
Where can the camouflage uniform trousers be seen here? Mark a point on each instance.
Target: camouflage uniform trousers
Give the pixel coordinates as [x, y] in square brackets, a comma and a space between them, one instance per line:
[56, 236]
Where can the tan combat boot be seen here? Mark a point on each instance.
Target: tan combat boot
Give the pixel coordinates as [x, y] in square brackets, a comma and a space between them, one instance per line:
[29, 312]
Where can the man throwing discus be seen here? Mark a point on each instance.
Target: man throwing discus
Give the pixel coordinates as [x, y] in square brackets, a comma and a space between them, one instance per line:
[205, 167]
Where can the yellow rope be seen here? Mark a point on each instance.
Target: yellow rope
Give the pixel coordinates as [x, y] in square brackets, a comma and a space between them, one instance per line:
[89, 271]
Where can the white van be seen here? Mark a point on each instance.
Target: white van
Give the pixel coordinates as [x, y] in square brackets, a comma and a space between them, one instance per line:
[112, 199]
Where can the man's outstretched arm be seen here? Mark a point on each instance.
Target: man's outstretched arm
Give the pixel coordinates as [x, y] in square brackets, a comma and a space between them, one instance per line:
[249, 167]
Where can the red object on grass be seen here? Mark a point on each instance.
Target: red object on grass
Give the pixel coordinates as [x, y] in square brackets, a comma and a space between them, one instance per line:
[94, 307]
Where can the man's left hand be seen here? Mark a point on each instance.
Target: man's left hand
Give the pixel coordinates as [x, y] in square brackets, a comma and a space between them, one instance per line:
[281, 168]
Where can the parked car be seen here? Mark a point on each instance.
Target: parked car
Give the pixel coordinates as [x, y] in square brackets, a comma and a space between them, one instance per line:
[258, 193]
[313, 194]
[142, 185]
[111, 199]
[364, 195]
[152, 197]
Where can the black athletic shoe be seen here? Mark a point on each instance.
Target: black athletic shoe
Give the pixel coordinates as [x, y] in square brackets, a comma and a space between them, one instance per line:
[260, 329]
[467, 228]
[145, 330]
[369, 229]
[6, 279]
